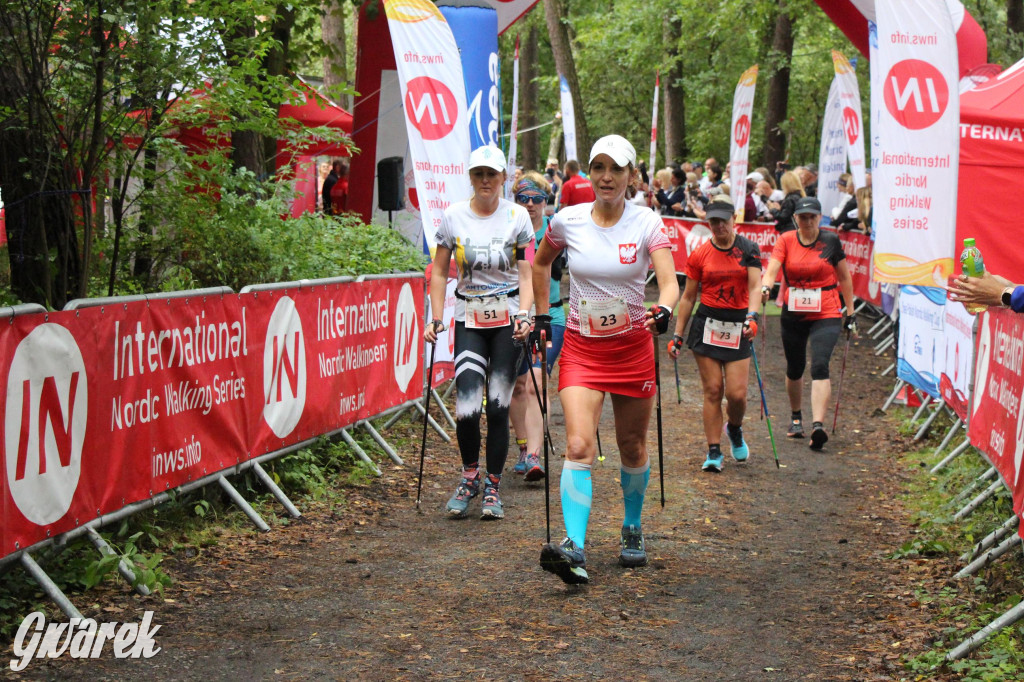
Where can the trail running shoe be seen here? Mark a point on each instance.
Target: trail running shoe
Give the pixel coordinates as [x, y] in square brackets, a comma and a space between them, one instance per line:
[713, 463]
[740, 451]
[534, 471]
[520, 467]
[492, 508]
[566, 561]
[796, 429]
[818, 438]
[468, 488]
[633, 554]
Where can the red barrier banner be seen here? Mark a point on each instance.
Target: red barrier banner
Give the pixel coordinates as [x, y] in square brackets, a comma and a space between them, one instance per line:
[110, 405]
[858, 248]
[686, 234]
[996, 426]
[330, 355]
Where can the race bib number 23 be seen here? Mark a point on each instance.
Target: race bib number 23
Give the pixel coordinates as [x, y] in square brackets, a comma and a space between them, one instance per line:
[603, 318]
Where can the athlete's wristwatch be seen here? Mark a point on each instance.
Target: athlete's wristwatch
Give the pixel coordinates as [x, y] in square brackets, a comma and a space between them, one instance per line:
[1007, 295]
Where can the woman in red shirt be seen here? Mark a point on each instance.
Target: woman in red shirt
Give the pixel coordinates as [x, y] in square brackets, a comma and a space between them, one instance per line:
[814, 266]
[728, 271]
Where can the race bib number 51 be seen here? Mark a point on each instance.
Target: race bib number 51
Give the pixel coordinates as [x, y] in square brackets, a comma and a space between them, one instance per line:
[805, 300]
[486, 313]
[603, 318]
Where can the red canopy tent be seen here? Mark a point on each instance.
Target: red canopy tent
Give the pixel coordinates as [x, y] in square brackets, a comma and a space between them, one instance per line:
[852, 16]
[991, 167]
[298, 164]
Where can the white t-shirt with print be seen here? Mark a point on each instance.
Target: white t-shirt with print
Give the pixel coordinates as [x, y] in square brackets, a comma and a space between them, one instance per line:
[484, 249]
[607, 262]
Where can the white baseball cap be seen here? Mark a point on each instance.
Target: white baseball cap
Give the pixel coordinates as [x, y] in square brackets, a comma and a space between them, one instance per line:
[488, 156]
[615, 146]
[755, 176]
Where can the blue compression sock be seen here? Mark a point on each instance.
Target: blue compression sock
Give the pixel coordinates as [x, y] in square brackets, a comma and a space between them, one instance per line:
[577, 494]
[634, 485]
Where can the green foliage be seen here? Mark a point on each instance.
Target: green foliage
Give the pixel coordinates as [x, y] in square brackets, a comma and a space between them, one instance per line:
[960, 609]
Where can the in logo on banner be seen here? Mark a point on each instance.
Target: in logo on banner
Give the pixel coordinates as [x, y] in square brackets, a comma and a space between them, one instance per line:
[284, 369]
[742, 131]
[431, 107]
[45, 421]
[915, 93]
[407, 338]
[851, 123]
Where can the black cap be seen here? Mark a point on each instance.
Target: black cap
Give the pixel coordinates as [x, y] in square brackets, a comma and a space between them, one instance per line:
[807, 205]
[720, 209]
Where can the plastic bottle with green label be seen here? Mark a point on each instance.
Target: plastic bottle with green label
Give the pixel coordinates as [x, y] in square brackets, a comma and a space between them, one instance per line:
[972, 265]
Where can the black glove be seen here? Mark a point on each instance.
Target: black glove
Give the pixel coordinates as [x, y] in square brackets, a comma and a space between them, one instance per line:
[661, 315]
[676, 343]
[850, 324]
[541, 323]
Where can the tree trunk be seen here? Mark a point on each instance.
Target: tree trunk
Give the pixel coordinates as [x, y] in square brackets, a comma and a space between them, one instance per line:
[774, 149]
[529, 142]
[561, 46]
[276, 64]
[1015, 16]
[675, 110]
[332, 28]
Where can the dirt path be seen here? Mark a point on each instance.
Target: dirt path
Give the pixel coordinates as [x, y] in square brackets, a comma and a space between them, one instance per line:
[757, 573]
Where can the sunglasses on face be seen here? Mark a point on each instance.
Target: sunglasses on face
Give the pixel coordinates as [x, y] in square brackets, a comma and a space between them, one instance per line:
[526, 198]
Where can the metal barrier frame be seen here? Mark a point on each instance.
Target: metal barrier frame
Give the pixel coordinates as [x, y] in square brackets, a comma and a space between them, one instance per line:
[25, 556]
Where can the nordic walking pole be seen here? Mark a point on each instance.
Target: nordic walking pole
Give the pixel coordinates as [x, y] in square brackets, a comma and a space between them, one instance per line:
[764, 406]
[764, 338]
[839, 389]
[661, 455]
[426, 413]
[679, 394]
[544, 416]
[543, 409]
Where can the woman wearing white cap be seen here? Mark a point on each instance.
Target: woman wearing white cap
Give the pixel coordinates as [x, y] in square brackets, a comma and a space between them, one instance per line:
[488, 236]
[607, 349]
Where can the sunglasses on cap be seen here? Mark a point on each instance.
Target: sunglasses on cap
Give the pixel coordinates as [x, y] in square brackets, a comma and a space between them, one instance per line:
[527, 198]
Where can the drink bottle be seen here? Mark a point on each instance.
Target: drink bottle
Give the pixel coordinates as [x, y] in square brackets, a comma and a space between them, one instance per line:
[972, 265]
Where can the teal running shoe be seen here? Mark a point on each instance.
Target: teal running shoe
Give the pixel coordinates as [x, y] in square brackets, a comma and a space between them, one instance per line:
[534, 470]
[492, 508]
[713, 463]
[468, 488]
[740, 451]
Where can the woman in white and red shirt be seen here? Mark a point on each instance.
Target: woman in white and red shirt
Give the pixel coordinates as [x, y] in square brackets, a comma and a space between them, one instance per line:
[610, 245]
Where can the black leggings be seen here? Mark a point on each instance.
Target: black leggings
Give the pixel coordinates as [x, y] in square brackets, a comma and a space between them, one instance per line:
[823, 334]
[491, 357]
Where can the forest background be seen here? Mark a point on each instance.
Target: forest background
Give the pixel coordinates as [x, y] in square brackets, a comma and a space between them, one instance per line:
[103, 200]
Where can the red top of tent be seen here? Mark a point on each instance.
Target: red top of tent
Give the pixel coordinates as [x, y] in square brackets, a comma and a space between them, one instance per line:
[992, 121]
